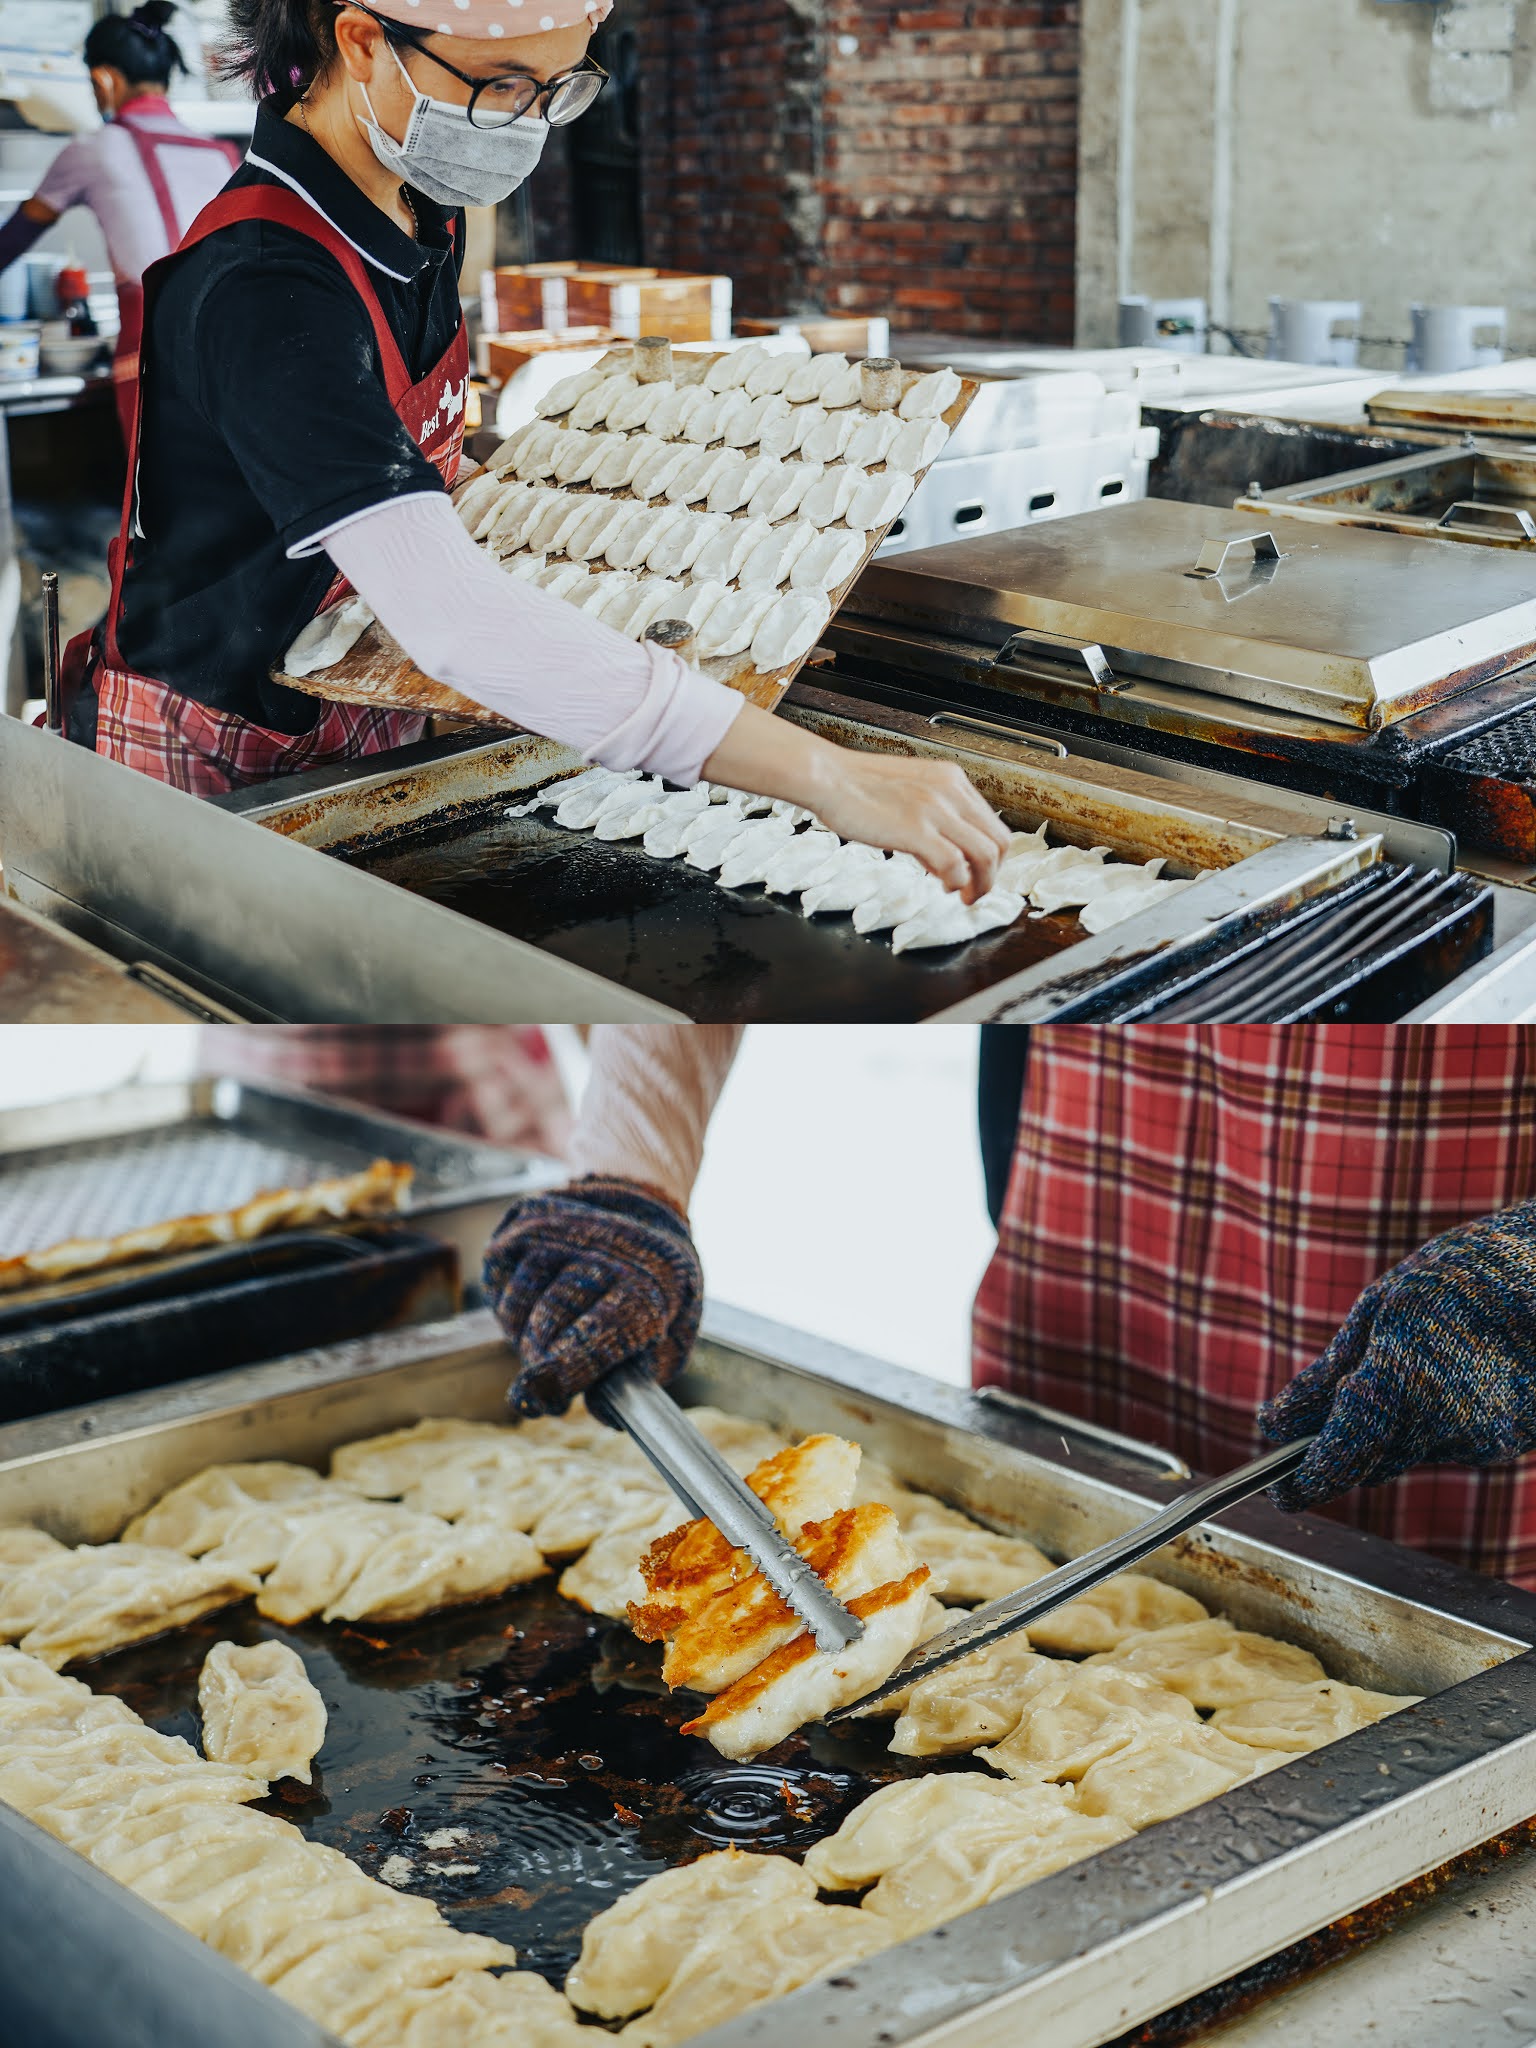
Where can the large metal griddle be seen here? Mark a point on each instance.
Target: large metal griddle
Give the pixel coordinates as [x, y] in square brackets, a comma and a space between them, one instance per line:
[1072, 1962]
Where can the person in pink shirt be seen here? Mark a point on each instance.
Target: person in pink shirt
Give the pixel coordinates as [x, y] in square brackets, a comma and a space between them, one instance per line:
[144, 174]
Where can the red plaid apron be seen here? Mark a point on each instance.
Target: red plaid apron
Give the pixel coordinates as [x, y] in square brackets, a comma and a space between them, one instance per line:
[1193, 1210]
[148, 726]
[130, 295]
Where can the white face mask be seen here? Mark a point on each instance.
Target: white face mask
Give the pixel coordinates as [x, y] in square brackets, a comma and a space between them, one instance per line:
[445, 156]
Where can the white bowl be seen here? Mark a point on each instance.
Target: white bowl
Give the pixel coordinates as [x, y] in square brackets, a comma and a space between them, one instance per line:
[70, 356]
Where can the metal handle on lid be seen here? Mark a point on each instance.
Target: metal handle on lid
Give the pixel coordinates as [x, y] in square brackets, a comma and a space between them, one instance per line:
[1016, 735]
[1470, 513]
[1213, 556]
[53, 695]
[1056, 647]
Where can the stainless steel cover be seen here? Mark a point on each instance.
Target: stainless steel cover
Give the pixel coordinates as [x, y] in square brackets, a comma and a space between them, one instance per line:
[1350, 627]
[1482, 494]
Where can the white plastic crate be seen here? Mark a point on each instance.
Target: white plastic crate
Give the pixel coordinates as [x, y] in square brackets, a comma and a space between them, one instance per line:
[994, 493]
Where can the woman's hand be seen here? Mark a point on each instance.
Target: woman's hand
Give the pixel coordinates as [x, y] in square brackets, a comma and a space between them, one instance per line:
[1435, 1366]
[589, 1277]
[926, 808]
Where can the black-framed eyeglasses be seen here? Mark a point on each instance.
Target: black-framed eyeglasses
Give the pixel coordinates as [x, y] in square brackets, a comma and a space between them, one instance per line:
[498, 102]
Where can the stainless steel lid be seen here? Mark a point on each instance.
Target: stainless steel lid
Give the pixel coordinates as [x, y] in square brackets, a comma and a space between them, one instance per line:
[1343, 625]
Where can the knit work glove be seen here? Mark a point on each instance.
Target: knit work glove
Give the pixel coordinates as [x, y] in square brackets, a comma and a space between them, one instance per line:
[1435, 1366]
[592, 1276]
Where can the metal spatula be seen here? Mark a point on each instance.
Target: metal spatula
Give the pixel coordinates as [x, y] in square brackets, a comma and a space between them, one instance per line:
[1000, 1618]
[630, 1399]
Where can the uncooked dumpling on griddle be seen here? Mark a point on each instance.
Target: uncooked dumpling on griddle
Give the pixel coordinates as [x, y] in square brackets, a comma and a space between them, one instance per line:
[594, 782]
[634, 816]
[713, 835]
[420, 1570]
[1114, 905]
[1067, 876]
[589, 1503]
[931, 396]
[951, 921]
[730, 627]
[987, 1858]
[1105, 1615]
[1293, 1719]
[897, 891]
[850, 882]
[97, 1609]
[607, 1577]
[664, 840]
[767, 566]
[900, 1819]
[477, 2010]
[767, 1952]
[1074, 1716]
[799, 1684]
[198, 1514]
[790, 630]
[1166, 1771]
[747, 861]
[1211, 1663]
[631, 1952]
[809, 858]
[562, 396]
[878, 500]
[260, 1710]
[354, 1975]
[976, 1699]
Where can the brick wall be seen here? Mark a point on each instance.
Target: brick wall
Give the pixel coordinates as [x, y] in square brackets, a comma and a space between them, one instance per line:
[868, 156]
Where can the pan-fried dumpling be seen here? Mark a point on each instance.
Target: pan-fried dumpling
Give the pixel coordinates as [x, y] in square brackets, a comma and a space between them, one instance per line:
[984, 1859]
[353, 1976]
[130, 1602]
[791, 629]
[1103, 1617]
[931, 396]
[977, 1699]
[476, 2010]
[631, 1952]
[198, 1514]
[971, 1564]
[1165, 1771]
[260, 1710]
[1303, 1717]
[429, 1566]
[1213, 1664]
[326, 1556]
[591, 1502]
[385, 1467]
[800, 1683]
[1074, 1715]
[899, 1819]
[766, 1953]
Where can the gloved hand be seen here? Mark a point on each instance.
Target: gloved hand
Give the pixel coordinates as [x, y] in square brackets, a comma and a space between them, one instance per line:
[1435, 1366]
[586, 1278]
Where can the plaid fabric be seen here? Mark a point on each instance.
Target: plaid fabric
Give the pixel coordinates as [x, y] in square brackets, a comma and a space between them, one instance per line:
[1192, 1212]
[208, 753]
[495, 1081]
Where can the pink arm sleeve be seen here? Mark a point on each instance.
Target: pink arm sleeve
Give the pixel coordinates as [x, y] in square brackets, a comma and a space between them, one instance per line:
[646, 1111]
[68, 178]
[526, 655]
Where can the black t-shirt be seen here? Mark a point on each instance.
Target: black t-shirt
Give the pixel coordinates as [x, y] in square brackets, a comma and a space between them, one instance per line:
[266, 421]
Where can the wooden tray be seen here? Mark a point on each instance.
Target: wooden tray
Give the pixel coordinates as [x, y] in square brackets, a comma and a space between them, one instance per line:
[379, 673]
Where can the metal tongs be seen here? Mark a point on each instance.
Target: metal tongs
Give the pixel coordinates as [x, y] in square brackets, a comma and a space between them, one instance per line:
[990, 1624]
[630, 1399]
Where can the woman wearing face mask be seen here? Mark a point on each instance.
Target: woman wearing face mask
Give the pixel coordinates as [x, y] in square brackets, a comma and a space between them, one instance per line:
[144, 174]
[302, 406]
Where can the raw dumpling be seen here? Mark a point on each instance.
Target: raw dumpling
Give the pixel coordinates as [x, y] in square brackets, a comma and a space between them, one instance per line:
[697, 477]
[873, 439]
[583, 796]
[790, 630]
[1213, 1664]
[476, 501]
[607, 1577]
[260, 1710]
[590, 536]
[652, 477]
[827, 502]
[807, 859]
[1103, 1617]
[562, 396]
[1118, 901]
[674, 406]
[613, 590]
[591, 409]
[681, 541]
[1067, 876]
[526, 568]
[721, 560]
[846, 388]
[766, 414]
[772, 375]
[829, 561]
[631, 538]
[849, 883]
[664, 841]
[931, 396]
[730, 627]
[699, 601]
[950, 920]
[562, 579]
[806, 384]
[896, 892]
[828, 440]
[1022, 862]
[656, 598]
[612, 820]
[578, 456]
[919, 443]
[631, 1952]
[779, 496]
[735, 420]
[738, 487]
[710, 837]
[784, 436]
[329, 638]
[198, 1514]
[733, 369]
[535, 437]
[621, 458]
[555, 520]
[632, 409]
[749, 855]
[769, 563]
[1304, 1717]
[878, 500]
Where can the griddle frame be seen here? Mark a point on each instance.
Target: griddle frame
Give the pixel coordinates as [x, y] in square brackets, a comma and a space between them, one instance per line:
[1081, 1956]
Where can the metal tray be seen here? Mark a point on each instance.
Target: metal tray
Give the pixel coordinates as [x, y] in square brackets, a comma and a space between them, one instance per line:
[94, 1165]
[1076, 1959]
[1349, 628]
[1484, 495]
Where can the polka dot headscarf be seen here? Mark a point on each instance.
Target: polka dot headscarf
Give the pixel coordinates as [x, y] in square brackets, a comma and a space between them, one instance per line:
[483, 18]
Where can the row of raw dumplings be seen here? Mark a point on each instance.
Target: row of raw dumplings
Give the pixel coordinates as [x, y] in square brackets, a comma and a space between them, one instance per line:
[722, 480]
[745, 840]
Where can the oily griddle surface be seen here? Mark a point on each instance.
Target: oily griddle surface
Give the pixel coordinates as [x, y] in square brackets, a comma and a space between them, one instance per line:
[671, 932]
[542, 1732]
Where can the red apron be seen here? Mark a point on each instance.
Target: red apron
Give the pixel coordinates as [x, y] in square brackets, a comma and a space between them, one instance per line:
[130, 295]
[171, 736]
[1193, 1210]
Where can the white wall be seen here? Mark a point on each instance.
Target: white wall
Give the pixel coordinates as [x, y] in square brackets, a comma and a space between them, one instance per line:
[1300, 147]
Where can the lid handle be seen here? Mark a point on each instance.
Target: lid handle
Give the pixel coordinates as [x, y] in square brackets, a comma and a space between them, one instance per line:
[1059, 647]
[1469, 512]
[1213, 556]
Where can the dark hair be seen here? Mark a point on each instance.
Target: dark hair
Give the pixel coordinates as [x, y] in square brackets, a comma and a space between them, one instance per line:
[279, 46]
[136, 44]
